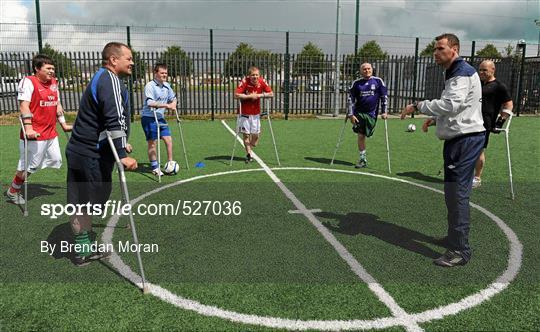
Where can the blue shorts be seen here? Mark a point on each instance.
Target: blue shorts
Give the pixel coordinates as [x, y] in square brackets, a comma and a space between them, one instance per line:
[150, 129]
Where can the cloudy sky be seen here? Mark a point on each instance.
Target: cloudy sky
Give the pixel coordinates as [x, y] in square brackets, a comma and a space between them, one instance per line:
[502, 22]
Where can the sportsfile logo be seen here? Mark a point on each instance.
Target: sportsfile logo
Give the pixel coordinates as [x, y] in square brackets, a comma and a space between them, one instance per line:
[113, 207]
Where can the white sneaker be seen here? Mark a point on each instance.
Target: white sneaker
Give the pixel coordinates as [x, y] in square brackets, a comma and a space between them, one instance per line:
[15, 198]
[157, 172]
[476, 182]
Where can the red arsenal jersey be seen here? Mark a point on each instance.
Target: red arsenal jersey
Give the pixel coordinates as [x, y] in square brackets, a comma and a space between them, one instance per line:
[43, 105]
[252, 107]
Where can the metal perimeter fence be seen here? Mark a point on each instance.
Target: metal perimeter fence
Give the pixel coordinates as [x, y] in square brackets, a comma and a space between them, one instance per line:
[205, 70]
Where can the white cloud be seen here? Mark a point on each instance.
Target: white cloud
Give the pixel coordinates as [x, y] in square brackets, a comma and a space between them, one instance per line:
[13, 11]
[12, 34]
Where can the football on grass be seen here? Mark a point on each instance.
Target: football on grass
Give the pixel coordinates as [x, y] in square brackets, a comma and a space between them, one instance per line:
[411, 128]
[171, 168]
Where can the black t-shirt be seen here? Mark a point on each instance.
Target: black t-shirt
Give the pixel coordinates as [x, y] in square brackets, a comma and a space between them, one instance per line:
[494, 94]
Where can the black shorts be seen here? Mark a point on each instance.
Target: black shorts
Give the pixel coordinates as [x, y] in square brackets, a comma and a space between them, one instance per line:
[88, 179]
[487, 139]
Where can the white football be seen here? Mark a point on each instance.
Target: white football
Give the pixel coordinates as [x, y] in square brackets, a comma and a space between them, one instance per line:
[171, 168]
[411, 127]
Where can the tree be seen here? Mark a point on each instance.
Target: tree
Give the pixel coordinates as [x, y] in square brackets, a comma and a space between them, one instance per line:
[310, 61]
[63, 65]
[372, 51]
[508, 50]
[245, 56]
[429, 49]
[178, 62]
[367, 53]
[7, 71]
[489, 51]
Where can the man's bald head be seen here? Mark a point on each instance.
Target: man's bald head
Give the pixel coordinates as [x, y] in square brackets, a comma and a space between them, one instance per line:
[488, 63]
[366, 70]
[486, 71]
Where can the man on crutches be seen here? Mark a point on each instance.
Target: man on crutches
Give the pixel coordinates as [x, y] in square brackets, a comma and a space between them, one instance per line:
[159, 97]
[496, 101]
[103, 109]
[251, 90]
[40, 109]
[366, 95]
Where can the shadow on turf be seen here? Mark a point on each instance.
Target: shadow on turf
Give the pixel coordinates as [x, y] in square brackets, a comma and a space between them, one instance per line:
[368, 224]
[224, 159]
[35, 190]
[40, 189]
[421, 177]
[328, 161]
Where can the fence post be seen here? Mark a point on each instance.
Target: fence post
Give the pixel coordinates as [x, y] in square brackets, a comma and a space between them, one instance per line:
[473, 46]
[286, 84]
[415, 77]
[38, 20]
[357, 22]
[130, 81]
[521, 74]
[212, 87]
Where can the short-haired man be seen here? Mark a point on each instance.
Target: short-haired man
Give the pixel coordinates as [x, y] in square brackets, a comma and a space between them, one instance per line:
[103, 107]
[366, 96]
[496, 101]
[159, 96]
[458, 117]
[250, 92]
[40, 109]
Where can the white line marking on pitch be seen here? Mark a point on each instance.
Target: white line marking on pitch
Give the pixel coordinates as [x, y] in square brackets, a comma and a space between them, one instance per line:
[355, 266]
[501, 283]
[310, 210]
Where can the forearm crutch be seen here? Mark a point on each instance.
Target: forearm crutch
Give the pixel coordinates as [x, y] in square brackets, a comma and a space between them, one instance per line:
[25, 167]
[181, 137]
[125, 197]
[506, 131]
[387, 145]
[158, 145]
[340, 139]
[271, 131]
[237, 131]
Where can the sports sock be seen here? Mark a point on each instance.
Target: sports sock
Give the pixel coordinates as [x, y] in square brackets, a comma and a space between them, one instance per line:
[363, 154]
[16, 184]
[83, 240]
[154, 164]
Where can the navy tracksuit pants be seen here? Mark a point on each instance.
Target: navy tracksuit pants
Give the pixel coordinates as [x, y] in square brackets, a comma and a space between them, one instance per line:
[460, 156]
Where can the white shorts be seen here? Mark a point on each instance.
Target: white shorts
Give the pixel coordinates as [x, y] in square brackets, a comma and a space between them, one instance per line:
[41, 154]
[249, 124]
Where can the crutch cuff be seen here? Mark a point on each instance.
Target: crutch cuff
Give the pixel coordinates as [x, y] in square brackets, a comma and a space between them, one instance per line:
[507, 111]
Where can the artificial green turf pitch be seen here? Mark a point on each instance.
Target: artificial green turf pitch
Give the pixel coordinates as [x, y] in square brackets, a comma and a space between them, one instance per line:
[270, 262]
